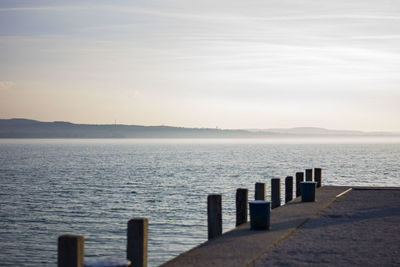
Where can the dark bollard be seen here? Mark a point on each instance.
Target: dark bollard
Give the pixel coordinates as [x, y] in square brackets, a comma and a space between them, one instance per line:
[260, 214]
[288, 189]
[299, 178]
[259, 193]
[108, 263]
[318, 176]
[70, 251]
[137, 242]
[214, 214]
[275, 193]
[241, 206]
[308, 191]
[309, 175]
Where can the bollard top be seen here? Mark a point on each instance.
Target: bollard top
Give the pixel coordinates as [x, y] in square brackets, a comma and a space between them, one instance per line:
[214, 196]
[242, 189]
[308, 182]
[108, 263]
[257, 202]
[71, 237]
[138, 219]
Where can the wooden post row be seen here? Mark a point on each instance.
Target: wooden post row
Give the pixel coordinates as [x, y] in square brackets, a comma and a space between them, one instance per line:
[71, 247]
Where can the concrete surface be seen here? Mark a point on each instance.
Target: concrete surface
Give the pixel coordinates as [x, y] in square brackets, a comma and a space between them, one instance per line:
[362, 228]
[242, 246]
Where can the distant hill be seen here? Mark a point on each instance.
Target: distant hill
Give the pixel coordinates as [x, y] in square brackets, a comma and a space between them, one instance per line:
[311, 131]
[315, 131]
[24, 128]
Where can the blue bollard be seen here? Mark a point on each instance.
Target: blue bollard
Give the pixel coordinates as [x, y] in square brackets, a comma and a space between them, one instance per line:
[108, 263]
[307, 191]
[260, 214]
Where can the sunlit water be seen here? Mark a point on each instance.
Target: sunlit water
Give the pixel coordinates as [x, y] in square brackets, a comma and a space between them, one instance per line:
[93, 187]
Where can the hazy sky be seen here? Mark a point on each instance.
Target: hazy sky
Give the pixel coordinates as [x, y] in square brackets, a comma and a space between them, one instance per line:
[231, 64]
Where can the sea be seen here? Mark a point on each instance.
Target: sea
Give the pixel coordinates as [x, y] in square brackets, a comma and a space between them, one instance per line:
[93, 187]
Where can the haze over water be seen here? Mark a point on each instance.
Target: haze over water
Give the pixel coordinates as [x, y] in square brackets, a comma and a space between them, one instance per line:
[93, 187]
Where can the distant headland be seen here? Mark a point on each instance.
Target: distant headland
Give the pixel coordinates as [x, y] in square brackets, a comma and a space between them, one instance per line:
[26, 128]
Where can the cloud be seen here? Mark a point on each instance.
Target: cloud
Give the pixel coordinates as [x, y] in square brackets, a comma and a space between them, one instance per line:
[331, 17]
[374, 37]
[4, 85]
[44, 8]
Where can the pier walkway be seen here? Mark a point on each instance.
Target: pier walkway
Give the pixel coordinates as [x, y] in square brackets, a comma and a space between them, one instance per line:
[359, 226]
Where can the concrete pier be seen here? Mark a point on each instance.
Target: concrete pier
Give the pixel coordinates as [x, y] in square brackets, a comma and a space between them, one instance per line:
[361, 228]
[241, 246]
[336, 230]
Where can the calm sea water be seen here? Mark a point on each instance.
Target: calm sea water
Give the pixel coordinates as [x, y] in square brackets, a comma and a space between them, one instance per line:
[93, 187]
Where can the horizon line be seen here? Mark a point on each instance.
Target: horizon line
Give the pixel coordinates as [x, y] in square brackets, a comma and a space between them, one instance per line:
[215, 128]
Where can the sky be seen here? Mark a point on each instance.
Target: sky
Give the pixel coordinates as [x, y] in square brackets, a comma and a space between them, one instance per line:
[228, 64]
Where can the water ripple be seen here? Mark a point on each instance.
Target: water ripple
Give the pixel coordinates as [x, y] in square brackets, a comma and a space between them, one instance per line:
[94, 187]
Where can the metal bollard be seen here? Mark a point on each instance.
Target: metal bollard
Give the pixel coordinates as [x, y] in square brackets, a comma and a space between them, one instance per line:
[308, 191]
[260, 214]
[108, 263]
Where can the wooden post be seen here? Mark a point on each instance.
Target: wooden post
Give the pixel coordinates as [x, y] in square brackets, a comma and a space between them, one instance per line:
[137, 242]
[318, 176]
[214, 215]
[259, 193]
[71, 251]
[299, 178]
[288, 189]
[275, 193]
[241, 206]
[309, 175]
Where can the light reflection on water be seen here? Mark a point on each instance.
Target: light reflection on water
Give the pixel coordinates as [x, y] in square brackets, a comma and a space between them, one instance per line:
[93, 187]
